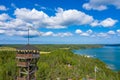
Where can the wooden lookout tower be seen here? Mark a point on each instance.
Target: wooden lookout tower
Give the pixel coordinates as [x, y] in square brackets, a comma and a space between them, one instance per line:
[27, 57]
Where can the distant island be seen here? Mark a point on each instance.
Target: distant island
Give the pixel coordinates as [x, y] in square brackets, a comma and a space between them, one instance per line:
[112, 44]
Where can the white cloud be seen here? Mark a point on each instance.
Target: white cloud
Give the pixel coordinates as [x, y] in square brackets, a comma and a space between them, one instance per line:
[66, 18]
[81, 33]
[23, 33]
[101, 4]
[105, 35]
[43, 7]
[78, 31]
[111, 32]
[3, 8]
[34, 17]
[85, 34]
[2, 31]
[59, 10]
[13, 5]
[10, 32]
[32, 33]
[73, 17]
[49, 33]
[16, 24]
[62, 19]
[108, 22]
[89, 31]
[89, 7]
[95, 23]
[30, 15]
[118, 30]
[4, 17]
[66, 34]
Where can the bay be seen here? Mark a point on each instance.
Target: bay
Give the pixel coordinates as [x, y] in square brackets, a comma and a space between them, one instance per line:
[108, 54]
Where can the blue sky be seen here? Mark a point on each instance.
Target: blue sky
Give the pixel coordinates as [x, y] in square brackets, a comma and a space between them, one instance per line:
[60, 21]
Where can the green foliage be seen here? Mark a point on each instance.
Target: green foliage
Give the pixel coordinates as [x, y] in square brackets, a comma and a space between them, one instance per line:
[59, 64]
[65, 65]
[7, 65]
[52, 47]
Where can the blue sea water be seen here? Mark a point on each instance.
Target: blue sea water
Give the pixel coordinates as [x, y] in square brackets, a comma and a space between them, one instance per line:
[108, 54]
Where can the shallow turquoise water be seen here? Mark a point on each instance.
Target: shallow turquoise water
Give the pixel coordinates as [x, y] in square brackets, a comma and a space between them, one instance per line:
[107, 54]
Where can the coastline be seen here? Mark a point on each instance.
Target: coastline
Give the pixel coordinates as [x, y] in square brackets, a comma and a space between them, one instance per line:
[104, 54]
[110, 66]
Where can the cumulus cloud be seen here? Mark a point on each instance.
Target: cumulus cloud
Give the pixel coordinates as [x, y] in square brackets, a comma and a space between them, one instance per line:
[101, 34]
[30, 15]
[106, 34]
[23, 33]
[111, 32]
[62, 18]
[95, 23]
[16, 24]
[85, 34]
[78, 31]
[82, 33]
[91, 33]
[71, 17]
[50, 33]
[32, 33]
[89, 7]
[66, 34]
[118, 32]
[2, 31]
[4, 17]
[101, 4]
[108, 22]
[3, 8]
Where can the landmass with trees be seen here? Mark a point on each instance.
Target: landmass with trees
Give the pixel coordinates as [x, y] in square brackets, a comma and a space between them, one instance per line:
[59, 64]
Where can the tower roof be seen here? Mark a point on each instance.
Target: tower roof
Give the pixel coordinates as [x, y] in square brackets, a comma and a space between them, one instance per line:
[28, 47]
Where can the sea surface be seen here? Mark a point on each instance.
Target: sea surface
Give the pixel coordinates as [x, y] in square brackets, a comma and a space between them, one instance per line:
[108, 54]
